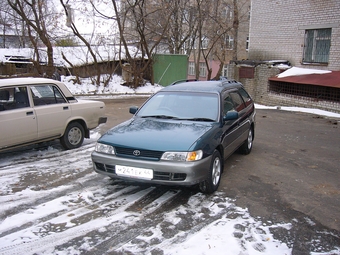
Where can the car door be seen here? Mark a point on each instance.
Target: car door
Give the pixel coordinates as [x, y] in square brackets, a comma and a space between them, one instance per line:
[243, 121]
[18, 122]
[52, 110]
[230, 127]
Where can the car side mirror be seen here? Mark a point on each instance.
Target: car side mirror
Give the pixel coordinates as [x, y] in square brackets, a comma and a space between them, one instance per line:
[133, 109]
[231, 115]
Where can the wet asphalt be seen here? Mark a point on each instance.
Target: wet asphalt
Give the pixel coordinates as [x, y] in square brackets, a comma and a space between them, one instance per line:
[291, 175]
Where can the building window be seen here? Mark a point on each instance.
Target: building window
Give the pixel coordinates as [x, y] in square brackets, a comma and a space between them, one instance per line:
[203, 70]
[247, 44]
[227, 12]
[317, 45]
[205, 43]
[191, 68]
[225, 71]
[229, 42]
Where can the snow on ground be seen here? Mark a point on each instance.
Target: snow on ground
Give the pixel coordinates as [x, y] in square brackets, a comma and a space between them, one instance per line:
[115, 87]
[88, 212]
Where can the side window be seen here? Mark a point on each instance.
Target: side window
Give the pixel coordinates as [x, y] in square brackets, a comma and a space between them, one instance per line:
[13, 98]
[238, 101]
[227, 105]
[46, 94]
[246, 98]
[4, 99]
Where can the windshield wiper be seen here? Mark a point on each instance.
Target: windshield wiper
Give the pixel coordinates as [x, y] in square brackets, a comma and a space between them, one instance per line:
[199, 119]
[159, 116]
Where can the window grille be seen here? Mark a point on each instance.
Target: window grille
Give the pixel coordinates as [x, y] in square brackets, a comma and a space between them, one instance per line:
[306, 91]
[317, 45]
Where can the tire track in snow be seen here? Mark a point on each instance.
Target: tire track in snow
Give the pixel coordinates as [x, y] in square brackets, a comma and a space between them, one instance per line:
[41, 241]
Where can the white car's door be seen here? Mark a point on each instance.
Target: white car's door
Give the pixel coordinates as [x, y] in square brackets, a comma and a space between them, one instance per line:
[52, 110]
[18, 122]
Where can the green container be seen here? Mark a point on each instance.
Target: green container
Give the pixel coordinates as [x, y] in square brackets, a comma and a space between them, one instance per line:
[168, 68]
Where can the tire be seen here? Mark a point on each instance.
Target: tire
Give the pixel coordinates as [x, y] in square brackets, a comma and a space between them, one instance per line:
[73, 136]
[216, 166]
[248, 143]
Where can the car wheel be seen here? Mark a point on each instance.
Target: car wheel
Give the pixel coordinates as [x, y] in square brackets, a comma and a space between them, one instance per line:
[248, 144]
[73, 136]
[216, 166]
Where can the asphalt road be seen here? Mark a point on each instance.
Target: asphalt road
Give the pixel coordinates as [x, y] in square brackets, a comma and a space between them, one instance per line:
[293, 170]
[54, 203]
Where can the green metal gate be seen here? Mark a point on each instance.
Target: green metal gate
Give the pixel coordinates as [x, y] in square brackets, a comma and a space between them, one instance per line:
[168, 68]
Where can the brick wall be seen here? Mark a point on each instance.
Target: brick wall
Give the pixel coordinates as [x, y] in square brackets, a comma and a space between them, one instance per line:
[277, 29]
[258, 88]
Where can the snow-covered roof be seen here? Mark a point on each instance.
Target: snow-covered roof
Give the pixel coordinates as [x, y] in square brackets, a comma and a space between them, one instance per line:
[307, 76]
[294, 71]
[76, 55]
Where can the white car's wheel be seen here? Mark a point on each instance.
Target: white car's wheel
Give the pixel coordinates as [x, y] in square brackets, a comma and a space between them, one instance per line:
[73, 136]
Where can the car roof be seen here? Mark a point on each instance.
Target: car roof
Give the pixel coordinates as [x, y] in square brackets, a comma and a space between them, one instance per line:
[34, 81]
[203, 86]
[24, 81]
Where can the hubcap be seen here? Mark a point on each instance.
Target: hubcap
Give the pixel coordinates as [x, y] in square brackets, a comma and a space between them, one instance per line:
[250, 139]
[216, 171]
[74, 136]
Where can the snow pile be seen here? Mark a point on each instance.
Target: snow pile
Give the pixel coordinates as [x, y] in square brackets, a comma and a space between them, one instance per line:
[87, 87]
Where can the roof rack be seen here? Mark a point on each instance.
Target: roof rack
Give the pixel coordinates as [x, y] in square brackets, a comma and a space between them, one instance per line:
[181, 81]
[222, 78]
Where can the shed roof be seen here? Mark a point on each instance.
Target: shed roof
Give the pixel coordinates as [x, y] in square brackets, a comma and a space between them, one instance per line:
[331, 79]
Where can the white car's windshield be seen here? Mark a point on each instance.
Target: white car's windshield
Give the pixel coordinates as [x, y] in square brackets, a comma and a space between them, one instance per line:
[182, 105]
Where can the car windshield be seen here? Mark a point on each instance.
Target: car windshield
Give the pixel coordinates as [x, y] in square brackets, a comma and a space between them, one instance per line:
[182, 105]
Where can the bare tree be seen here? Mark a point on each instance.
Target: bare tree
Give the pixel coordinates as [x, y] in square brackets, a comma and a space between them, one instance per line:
[75, 31]
[217, 32]
[5, 22]
[139, 25]
[34, 13]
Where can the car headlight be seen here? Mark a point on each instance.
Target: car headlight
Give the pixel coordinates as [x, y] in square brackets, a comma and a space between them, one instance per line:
[182, 156]
[104, 148]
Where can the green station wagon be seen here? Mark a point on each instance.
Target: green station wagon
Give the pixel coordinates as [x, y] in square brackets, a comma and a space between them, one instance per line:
[180, 136]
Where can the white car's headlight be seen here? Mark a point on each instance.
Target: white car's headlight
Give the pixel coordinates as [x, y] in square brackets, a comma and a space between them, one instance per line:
[182, 156]
[104, 148]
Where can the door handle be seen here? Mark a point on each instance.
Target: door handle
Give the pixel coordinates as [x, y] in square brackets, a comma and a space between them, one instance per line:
[65, 108]
[29, 113]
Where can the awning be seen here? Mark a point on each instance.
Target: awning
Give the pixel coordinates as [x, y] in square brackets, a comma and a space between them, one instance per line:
[327, 80]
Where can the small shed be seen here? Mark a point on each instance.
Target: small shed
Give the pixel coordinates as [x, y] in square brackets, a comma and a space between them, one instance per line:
[168, 68]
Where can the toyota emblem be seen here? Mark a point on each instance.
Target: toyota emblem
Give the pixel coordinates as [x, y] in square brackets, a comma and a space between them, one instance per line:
[136, 152]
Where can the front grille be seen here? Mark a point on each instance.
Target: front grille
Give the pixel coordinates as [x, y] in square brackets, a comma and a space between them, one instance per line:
[168, 176]
[106, 168]
[143, 154]
[159, 176]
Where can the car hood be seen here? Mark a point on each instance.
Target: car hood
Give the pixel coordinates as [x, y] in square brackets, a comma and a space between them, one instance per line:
[154, 134]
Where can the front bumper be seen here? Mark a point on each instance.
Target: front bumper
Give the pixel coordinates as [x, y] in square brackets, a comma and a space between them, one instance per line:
[165, 172]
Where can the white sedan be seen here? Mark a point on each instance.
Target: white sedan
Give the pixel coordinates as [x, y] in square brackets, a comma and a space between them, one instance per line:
[34, 110]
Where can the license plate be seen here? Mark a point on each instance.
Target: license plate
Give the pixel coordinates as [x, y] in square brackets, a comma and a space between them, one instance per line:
[135, 172]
